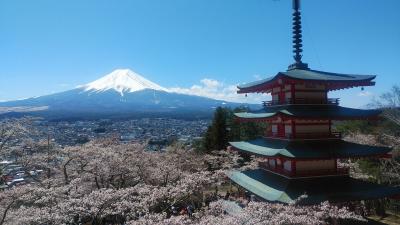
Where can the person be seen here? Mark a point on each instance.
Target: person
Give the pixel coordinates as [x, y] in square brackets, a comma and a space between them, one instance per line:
[189, 209]
[183, 211]
[227, 195]
[174, 210]
[207, 200]
[252, 198]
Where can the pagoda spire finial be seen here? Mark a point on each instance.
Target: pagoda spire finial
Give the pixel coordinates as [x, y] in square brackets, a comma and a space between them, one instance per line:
[297, 41]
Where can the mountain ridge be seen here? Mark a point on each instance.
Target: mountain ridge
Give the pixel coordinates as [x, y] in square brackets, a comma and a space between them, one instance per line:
[121, 92]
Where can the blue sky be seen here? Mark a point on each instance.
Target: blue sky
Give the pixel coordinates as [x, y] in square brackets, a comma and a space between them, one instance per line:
[48, 46]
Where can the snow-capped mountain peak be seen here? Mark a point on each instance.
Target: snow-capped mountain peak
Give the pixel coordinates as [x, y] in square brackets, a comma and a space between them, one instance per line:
[122, 80]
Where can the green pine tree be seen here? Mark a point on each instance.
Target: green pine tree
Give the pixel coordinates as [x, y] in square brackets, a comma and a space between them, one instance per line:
[225, 127]
[219, 129]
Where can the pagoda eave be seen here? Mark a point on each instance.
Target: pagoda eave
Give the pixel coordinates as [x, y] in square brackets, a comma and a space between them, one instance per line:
[275, 188]
[378, 155]
[331, 84]
[285, 117]
[309, 149]
[291, 112]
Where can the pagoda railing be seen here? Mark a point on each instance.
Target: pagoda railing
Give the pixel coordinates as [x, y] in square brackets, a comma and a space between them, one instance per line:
[314, 135]
[302, 101]
[323, 172]
[311, 173]
[335, 135]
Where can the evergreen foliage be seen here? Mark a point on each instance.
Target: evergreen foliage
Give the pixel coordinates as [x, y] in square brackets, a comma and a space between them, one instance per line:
[225, 127]
[244, 131]
[216, 136]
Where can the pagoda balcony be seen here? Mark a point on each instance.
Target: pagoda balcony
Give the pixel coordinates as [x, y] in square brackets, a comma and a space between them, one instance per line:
[303, 174]
[302, 101]
[305, 136]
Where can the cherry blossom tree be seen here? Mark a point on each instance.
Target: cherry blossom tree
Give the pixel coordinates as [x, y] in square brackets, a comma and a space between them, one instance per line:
[256, 213]
[104, 182]
[15, 131]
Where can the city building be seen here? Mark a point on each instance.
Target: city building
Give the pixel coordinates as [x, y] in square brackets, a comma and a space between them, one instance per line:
[300, 151]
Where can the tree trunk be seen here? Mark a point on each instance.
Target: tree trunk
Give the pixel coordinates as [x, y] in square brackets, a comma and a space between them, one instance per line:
[5, 212]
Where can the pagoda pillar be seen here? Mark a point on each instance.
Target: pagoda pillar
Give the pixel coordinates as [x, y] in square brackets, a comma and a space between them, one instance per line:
[293, 129]
[330, 127]
[326, 95]
[336, 168]
[293, 93]
[293, 166]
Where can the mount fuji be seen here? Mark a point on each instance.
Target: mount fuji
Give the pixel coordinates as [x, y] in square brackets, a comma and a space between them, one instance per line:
[122, 81]
[122, 93]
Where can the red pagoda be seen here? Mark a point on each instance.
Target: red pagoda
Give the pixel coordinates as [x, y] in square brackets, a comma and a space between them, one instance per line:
[299, 150]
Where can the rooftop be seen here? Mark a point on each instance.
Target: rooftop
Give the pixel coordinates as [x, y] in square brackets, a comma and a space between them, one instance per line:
[310, 112]
[271, 187]
[332, 80]
[309, 149]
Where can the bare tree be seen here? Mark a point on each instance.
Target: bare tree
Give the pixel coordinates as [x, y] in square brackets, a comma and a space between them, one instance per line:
[390, 103]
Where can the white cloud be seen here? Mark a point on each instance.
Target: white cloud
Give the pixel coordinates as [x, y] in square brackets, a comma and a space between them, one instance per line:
[217, 90]
[365, 94]
[211, 83]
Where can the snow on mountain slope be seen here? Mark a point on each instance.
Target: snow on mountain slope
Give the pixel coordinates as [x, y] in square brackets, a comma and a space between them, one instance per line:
[122, 80]
[121, 93]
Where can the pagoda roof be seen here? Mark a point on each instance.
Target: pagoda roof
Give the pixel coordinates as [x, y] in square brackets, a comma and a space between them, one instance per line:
[309, 112]
[275, 188]
[309, 149]
[334, 80]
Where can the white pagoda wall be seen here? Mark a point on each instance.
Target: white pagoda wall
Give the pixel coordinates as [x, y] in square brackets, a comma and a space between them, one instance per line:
[288, 95]
[287, 165]
[275, 97]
